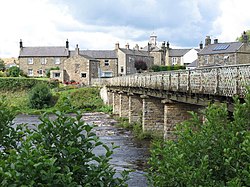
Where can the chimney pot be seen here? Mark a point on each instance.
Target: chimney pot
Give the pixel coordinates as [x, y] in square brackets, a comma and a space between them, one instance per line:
[117, 45]
[207, 41]
[201, 45]
[67, 44]
[127, 46]
[77, 50]
[21, 43]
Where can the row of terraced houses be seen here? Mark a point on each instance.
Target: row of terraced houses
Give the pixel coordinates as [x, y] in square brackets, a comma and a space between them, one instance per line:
[84, 65]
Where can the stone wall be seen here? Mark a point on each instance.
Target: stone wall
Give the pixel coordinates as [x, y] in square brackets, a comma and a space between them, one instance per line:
[112, 67]
[135, 108]
[38, 67]
[124, 105]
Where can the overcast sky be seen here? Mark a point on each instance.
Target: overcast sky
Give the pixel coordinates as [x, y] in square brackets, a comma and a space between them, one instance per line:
[99, 24]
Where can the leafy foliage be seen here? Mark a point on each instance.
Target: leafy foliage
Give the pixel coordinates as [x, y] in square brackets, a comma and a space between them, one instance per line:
[18, 83]
[140, 65]
[57, 152]
[215, 152]
[241, 38]
[40, 96]
[157, 68]
[14, 71]
[48, 72]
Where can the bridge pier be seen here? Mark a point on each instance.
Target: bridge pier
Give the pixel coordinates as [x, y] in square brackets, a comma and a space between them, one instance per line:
[135, 108]
[152, 114]
[174, 113]
[116, 103]
[110, 98]
[123, 104]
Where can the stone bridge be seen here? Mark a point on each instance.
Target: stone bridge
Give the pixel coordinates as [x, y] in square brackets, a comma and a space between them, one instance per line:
[161, 100]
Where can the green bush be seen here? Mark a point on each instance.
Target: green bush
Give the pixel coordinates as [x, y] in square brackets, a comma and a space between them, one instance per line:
[215, 152]
[40, 96]
[13, 71]
[57, 152]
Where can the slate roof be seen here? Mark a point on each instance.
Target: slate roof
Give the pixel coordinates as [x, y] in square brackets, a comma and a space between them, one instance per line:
[135, 52]
[211, 49]
[44, 52]
[72, 53]
[193, 64]
[178, 52]
[99, 54]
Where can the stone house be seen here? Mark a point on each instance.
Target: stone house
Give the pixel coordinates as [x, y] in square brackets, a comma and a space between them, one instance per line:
[37, 61]
[226, 53]
[127, 58]
[70, 65]
[80, 68]
[108, 61]
[181, 57]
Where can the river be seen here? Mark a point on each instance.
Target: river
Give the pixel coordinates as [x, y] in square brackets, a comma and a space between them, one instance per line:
[131, 154]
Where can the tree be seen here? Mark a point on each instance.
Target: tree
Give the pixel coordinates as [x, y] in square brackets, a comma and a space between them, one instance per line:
[240, 39]
[2, 65]
[215, 152]
[14, 71]
[140, 65]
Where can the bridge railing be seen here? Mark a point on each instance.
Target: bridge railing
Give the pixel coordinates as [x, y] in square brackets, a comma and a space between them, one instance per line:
[221, 80]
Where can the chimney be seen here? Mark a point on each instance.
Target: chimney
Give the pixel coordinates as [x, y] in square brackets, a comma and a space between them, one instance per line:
[21, 44]
[216, 41]
[127, 46]
[168, 45]
[137, 47]
[244, 37]
[201, 45]
[149, 47]
[163, 46]
[117, 46]
[207, 41]
[77, 50]
[67, 44]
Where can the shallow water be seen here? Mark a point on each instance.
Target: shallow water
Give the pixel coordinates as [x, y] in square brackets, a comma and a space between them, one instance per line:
[131, 154]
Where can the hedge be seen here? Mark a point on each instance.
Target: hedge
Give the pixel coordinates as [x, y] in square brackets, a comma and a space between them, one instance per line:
[157, 68]
[17, 83]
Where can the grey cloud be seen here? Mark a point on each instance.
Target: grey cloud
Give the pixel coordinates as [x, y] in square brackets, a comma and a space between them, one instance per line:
[183, 22]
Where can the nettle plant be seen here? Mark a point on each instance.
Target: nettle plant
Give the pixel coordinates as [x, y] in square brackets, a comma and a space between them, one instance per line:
[57, 152]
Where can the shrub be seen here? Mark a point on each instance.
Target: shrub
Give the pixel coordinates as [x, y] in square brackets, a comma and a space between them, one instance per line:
[48, 72]
[140, 65]
[210, 153]
[157, 68]
[40, 96]
[57, 152]
[13, 71]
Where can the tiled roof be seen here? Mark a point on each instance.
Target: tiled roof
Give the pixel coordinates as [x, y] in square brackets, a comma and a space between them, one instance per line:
[135, 52]
[230, 47]
[178, 52]
[44, 52]
[99, 54]
[72, 53]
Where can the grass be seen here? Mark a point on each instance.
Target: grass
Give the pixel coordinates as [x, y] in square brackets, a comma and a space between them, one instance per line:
[84, 99]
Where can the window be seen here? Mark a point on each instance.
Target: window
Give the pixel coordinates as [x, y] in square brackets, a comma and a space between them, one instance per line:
[122, 69]
[40, 72]
[30, 72]
[174, 60]
[56, 75]
[206, 59]
[107, 74]
[57, 60]
[43, 61]
[30, 60]
[83, 75]
[106, 63]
